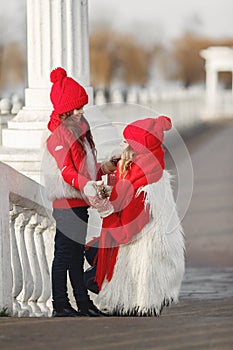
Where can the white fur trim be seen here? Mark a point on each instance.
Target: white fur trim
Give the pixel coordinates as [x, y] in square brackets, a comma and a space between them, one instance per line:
[149, 270]
[55, 185]
[90, 160]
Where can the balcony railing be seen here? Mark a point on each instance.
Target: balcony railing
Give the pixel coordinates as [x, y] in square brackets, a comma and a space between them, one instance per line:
[26, 246]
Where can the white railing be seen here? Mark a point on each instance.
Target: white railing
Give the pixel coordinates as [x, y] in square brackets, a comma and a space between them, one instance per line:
[186, 106]
[26, 246]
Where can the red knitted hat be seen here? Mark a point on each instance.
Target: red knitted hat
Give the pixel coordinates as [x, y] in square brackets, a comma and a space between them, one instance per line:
[147, 134]
[66, 93]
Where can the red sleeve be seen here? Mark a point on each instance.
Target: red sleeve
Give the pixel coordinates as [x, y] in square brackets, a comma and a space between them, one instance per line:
[63, 156]
[124, 225]
[71, 175]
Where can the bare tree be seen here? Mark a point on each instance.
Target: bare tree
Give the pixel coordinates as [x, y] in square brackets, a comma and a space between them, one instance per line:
[186, 53]
[189, 66]
[12, 44]
[12, 65]
[116, 55]
[133, 60]
[102, 44]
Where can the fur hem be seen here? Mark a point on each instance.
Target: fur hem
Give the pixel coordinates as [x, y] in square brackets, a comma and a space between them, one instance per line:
[137, 311]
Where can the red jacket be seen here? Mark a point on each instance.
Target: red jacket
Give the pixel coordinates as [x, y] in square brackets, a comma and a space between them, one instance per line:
[130, 213]
[72, 162]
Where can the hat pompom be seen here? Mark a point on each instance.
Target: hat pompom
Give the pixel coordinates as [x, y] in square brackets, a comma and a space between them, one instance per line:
[164, 122]
[57, 74]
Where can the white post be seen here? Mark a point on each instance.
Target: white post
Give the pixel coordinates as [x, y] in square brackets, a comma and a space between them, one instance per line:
[57, 35]
[6, 281]
[211, 82]
[232, 83]
[211, 86]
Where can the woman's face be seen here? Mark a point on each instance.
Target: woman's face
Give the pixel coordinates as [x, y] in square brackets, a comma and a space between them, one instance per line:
[76, 113]
[124, 144]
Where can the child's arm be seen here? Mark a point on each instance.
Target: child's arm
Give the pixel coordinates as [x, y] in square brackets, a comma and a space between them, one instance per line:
[130, 221]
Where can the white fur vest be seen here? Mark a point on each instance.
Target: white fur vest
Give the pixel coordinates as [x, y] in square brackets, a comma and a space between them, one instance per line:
[149, 269]
[56, 187]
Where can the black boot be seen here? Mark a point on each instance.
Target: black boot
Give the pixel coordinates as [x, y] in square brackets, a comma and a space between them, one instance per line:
[64, 311]
[89, 279]
[87, 308]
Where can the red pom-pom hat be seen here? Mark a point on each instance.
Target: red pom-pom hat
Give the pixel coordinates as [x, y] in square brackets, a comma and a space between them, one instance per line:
[66, 93]
[146, 135]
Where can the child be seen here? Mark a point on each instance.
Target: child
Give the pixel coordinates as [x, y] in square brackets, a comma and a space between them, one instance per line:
[71, 164]
[140, 260]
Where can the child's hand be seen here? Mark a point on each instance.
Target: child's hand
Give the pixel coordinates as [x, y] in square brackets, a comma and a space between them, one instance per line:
[97, 194]
[108, 167]
[103, 190]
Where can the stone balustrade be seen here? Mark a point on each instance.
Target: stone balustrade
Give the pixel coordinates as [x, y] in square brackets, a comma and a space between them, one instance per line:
[181, 103]
[26, 246]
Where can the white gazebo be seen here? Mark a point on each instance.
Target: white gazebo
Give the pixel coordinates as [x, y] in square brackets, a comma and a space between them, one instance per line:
[218, 103]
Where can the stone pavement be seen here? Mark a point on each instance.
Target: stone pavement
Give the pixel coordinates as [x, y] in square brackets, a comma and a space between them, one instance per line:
[204, 317]
[208, 223]
[189, 325]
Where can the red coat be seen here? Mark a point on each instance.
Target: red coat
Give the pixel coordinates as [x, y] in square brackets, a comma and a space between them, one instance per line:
[71, 161]
[130, 213]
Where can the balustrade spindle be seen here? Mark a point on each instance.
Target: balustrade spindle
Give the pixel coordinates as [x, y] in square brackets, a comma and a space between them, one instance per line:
[44, 268]
[34, 265]
[17, 271]
[48, 238]
[26, 292]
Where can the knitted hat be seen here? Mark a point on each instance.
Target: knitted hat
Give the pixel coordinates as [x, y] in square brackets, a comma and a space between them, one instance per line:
[147, 134]
[66, 94]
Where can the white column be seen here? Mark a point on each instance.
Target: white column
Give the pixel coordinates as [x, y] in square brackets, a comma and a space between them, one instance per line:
[232, 83]
[211, 86]
[57, 35]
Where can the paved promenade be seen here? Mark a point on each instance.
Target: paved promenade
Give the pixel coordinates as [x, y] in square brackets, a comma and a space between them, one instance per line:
[209, 220]
[204, 317]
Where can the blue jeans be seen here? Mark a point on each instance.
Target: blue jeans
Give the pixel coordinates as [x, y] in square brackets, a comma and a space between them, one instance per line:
[71, 230]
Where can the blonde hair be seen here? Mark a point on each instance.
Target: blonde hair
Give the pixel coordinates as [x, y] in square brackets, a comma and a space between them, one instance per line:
[127, 158]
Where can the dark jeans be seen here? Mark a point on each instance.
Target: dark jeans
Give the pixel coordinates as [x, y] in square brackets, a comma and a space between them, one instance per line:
[71, 230]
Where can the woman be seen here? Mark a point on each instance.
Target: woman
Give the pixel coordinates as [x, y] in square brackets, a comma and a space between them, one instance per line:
[70, 162]
[140, 260]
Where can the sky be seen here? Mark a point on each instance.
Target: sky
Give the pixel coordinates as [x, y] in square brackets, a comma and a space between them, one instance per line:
[148, 19]
[165, 19]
